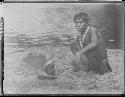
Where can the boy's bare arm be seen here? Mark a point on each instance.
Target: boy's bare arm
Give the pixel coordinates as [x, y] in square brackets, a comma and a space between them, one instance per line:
[93, 43]
[70, 43]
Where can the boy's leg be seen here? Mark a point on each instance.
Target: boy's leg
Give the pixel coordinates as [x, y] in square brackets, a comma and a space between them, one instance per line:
[81, 62]
[84, 62]
[76, 63]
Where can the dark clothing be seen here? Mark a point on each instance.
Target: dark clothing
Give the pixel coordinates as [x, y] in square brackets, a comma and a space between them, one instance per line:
[97, 56]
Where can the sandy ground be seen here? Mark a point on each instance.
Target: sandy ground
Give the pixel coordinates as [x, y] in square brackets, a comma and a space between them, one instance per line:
[20, 77]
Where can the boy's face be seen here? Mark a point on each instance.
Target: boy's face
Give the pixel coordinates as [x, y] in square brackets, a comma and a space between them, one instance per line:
[80, 24]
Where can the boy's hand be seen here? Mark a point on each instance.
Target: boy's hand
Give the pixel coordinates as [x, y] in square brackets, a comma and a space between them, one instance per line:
[82, 51]
[78, 54]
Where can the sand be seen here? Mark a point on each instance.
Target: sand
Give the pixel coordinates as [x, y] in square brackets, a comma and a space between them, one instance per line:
[22, 78]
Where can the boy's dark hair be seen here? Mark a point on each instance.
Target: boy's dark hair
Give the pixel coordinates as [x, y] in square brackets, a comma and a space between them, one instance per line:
[83, 16]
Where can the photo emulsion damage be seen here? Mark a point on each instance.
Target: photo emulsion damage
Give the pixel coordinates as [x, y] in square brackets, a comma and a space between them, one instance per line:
[1, 50]
[62, 0]
[63, 48]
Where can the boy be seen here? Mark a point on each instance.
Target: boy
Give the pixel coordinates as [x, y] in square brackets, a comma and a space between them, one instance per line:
[89, 49]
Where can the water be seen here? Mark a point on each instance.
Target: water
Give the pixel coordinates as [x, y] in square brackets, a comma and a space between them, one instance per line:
[34, 24]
